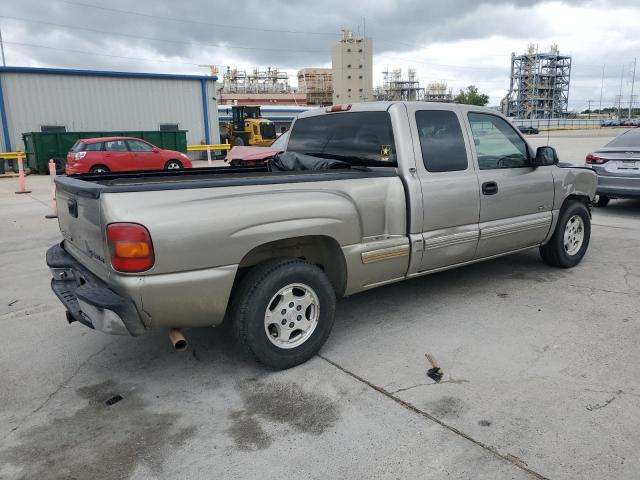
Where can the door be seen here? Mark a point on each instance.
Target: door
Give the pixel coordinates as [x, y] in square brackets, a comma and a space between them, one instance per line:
[516, 199]
[450, 191]
[117, 156]
[144, 157]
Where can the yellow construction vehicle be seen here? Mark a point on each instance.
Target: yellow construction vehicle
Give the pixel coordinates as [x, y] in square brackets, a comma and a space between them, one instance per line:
[247, 127]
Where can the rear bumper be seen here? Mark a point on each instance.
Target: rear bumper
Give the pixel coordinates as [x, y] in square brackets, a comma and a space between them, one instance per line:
[88, 299]
[618, 186]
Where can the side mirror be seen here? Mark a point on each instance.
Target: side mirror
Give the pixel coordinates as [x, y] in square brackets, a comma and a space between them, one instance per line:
[156, 149]
[545, 156]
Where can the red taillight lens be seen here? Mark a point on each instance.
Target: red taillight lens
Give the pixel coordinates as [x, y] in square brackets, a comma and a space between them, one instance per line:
[130, 247]
[593, 160]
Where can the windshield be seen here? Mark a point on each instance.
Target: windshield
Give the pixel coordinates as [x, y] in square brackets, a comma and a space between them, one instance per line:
[630, 138]
[359, 138]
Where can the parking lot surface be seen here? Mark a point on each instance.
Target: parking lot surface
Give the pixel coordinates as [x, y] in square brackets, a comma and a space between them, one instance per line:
[540, 365]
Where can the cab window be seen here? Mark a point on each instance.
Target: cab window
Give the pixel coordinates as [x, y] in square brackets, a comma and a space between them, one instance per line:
[359, 138]
[441, 141]
[497, 143]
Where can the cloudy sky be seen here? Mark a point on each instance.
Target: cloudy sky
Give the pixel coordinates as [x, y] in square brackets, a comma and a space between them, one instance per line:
[460, 42]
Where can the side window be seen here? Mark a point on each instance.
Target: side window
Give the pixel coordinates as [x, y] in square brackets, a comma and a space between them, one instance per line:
[136, 146]
[441, 141]
[93, 147]
[116, 146]
[497, 143]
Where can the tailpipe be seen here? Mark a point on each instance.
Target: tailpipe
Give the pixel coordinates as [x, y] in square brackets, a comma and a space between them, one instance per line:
[177, 340]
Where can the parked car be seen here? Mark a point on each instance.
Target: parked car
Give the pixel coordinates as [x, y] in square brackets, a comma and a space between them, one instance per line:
[606, 123]
[253, 156]
[121, 154]
[528, 130]
[408, 189]
[617, 165]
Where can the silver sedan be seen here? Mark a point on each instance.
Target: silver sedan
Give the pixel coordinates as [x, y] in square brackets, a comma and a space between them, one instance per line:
[618, 167]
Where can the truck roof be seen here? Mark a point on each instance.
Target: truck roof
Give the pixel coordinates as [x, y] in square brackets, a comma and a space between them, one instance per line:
[382, 106]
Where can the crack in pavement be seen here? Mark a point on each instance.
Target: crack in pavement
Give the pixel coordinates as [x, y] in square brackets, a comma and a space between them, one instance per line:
[512, 459]
[55, 392]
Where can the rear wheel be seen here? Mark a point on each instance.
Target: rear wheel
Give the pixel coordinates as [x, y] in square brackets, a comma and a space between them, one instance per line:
[173, 165]
[602, 201]
[59, 162]
[570, 239]
[98, 169]
[283, 311]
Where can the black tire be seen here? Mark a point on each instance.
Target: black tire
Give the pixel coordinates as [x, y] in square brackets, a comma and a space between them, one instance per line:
[98, 169]
[59, 162]
[554, 252]
[238, 141]
[602, 201]
[173, 165]
[253, 296]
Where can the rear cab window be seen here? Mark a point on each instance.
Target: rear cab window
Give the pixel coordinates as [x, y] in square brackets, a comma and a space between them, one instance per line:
[78, 147]
[441, 141]
[358, 138]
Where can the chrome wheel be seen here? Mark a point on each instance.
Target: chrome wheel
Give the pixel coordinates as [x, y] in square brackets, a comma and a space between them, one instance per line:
[173, 165]
[292, 315]
[573, 235]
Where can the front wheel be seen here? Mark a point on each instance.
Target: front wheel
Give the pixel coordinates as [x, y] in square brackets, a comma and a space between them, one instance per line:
[173, 165]
[283, 311]
[570, 239]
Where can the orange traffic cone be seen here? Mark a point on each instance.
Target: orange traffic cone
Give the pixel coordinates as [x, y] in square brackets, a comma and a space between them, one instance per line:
[54, 204]
[21, 180]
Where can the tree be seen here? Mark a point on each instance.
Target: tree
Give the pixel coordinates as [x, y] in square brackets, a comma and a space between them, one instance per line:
[472, 97]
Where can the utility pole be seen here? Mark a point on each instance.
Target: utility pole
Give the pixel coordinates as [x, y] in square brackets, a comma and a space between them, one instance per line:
[589, 108]
[601, 86]
[633, 81]
[620, 96]
[4, 63]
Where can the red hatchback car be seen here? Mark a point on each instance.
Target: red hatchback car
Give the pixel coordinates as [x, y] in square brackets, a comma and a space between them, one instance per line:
[120, 154]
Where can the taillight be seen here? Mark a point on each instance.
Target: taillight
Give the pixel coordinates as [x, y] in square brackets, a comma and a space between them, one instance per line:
[79, 155]
[130, 247]
[338, 108]
[593, 160]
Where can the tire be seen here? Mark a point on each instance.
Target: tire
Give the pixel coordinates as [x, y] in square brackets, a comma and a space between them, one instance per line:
[98, 169]
[173, 165]
[238, 142]
[59, 162]
[564, 250]
[259, 307]
[602, 201]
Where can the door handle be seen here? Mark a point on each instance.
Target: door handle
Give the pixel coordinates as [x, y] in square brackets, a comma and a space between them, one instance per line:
[489, 188]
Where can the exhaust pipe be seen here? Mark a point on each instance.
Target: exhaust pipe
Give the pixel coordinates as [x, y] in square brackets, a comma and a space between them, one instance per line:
[177, 340]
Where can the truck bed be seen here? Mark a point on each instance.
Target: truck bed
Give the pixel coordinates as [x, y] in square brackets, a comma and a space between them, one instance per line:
[113, 182]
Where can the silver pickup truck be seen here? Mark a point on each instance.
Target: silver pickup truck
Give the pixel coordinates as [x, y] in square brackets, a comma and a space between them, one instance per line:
[393, 190]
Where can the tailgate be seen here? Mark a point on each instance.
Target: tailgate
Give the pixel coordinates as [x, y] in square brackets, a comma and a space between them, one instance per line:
[81, 228]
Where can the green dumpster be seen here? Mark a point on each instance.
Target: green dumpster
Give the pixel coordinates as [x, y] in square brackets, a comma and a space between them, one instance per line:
[41, 147]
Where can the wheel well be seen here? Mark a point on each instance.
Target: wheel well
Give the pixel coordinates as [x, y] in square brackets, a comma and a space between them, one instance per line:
[584, 199]
[319, 250]
[99, 165]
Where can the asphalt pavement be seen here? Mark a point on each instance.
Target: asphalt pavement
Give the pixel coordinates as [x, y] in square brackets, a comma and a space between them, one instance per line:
[540, 367]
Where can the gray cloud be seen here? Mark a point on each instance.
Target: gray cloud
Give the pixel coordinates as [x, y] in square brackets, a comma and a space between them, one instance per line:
[184, 35]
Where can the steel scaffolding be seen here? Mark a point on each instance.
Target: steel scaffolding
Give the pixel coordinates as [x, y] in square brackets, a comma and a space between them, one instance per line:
[539, 85]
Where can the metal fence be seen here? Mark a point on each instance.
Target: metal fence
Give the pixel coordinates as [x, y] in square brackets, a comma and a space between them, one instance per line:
[558, 123]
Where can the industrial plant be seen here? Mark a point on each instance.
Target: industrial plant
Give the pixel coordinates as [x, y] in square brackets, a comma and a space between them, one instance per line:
[539, 86]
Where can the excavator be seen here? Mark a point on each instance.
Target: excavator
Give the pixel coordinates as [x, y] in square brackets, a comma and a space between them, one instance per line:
[248, 128]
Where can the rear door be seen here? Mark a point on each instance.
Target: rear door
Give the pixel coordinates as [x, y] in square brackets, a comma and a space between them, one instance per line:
[450, 192]
[117, 156]
[515, 199]
[143, 156]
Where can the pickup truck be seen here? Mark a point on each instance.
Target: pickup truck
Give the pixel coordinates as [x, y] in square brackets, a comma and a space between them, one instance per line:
[420, 188]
